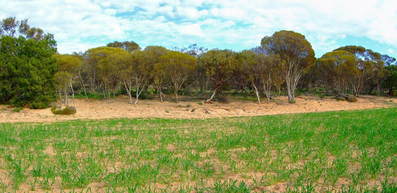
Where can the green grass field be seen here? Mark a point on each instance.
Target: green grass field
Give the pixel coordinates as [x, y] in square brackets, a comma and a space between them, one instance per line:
[335, 151]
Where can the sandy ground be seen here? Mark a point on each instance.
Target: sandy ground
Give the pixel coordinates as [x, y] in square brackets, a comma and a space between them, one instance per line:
[119, 108]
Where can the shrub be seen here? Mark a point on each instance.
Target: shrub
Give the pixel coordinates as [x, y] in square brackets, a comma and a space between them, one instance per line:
[340, 98]
[27, 72]
[146, 95]
[17, 109]
[351, 98]
[42, 102]
[68, 110]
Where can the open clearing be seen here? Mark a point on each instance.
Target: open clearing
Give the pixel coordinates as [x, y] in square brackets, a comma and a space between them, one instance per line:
[119, 108]
[328, 151]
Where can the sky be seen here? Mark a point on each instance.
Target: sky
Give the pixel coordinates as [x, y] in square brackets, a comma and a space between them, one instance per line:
[225, 24]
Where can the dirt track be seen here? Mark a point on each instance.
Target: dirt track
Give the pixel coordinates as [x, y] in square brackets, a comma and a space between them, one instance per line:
[119, 108]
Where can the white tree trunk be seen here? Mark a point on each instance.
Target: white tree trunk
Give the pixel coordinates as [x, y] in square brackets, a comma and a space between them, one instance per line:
[139, 90]
[127, 87]
[256, 92]
[160, 94]
[212, 96]
[292, 78]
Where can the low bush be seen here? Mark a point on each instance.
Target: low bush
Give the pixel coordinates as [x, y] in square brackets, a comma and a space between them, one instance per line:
[68, 110]
[17, 109]
[340, 98]
[351, 98]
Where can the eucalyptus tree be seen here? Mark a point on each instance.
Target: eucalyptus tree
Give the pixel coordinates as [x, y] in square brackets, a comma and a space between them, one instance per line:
[219, 66]
[128, 46]
[135, 75]
[261, 70]
[371, 66]
[107, 62]
[12, 27]
[296, 54]
[251, 70]
[176, 68]
[68, 68]
[156, 76]
[336, 69]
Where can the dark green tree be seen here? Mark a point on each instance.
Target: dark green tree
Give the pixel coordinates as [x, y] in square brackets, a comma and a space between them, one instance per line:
[27, 69]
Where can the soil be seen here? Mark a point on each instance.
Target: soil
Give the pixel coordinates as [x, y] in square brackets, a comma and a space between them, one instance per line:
[119, 108]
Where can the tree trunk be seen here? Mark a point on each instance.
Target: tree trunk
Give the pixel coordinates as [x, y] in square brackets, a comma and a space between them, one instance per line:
[128, 90]
[139, 90]
[290, 90]
[267, 90]
[160, 94]
[137, 96]
[291, 94]
[176, 88]
[176, 96]
[212, 96]
[256, 92]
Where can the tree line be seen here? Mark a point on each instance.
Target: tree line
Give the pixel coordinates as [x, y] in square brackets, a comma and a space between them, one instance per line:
[33, 73]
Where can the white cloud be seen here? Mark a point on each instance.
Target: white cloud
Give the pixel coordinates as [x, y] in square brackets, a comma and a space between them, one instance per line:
[79, 24]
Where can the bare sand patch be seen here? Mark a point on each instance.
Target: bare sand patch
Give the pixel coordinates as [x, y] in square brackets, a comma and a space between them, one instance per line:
[119, 108]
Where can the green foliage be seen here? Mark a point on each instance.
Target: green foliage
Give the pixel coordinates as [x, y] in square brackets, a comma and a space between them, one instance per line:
[27, 72]
[68, 63]
[68, 110]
